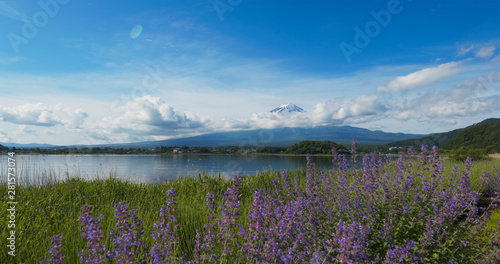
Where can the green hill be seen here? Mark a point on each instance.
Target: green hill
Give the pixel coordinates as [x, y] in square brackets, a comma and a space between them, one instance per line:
[485, 136]
[437, 139]
[4, 148]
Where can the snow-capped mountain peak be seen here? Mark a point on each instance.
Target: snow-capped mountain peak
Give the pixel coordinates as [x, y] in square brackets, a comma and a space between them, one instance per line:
[287, 108]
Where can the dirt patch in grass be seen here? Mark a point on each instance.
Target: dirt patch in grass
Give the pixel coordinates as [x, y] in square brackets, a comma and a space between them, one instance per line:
[495, 156]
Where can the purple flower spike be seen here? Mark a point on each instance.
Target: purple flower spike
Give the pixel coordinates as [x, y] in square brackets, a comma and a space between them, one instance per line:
[354, 149]
[230, 211]
[57, 255]
[165, 244]
[205, 249]
[127, 236]
[94, 251]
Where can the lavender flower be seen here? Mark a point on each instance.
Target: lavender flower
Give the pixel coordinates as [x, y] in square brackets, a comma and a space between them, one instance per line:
[93, 252]
[164, 232]
[400, 254]
[127, 236]
[230, 211]
[205, 250]
[354, 149]
[57, 255]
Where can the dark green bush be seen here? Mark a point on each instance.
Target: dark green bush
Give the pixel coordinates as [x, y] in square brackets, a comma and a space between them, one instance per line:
[461, 154]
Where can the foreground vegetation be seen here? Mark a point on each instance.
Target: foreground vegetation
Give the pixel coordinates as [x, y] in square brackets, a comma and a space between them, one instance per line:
[409, 210]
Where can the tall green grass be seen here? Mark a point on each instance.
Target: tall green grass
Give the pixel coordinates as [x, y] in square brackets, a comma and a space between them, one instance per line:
[48, 207]
[478, 168]
[54, 207]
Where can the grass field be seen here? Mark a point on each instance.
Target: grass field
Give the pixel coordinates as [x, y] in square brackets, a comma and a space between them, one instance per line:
[55, 207]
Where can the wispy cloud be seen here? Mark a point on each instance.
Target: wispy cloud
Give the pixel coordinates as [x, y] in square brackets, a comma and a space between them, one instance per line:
[496, 60]
[4, 137]
[422, 78]
[429, 107]
[9, 60]
[8, 11]
[485, 52]
[469, 98]
[462, 51]
[24, 130]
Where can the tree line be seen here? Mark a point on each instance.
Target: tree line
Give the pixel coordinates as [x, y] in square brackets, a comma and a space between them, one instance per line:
[304, 147]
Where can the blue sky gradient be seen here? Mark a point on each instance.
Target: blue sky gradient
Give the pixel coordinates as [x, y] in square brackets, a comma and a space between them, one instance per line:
[83, 72]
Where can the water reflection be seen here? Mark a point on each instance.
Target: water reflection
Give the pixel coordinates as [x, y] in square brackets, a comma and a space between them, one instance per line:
[155, 168]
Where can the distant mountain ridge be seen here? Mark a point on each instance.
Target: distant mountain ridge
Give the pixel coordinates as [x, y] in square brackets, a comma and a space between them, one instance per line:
[277, 137]
[260, 137]
[29, 145]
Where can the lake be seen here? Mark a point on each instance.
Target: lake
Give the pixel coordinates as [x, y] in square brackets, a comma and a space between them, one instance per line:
[154, 168]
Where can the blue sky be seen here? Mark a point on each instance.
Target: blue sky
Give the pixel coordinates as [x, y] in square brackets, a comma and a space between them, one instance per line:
[89, 72]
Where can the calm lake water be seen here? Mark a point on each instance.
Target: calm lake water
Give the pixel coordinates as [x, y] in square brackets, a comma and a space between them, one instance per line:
[155, 168]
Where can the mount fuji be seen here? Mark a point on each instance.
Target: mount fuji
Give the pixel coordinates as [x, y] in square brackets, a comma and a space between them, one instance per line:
[287, 108]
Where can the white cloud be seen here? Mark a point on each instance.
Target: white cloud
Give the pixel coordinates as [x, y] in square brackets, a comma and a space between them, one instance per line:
[366, 105]
[30, 114]
[39, 114]
[152, 111]
[76, 117]
[330, 110]
[339, 112]
[147, 117]
[485, 52]
[466, 99]
[422, 78]
[276, 120]
[336, 111]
